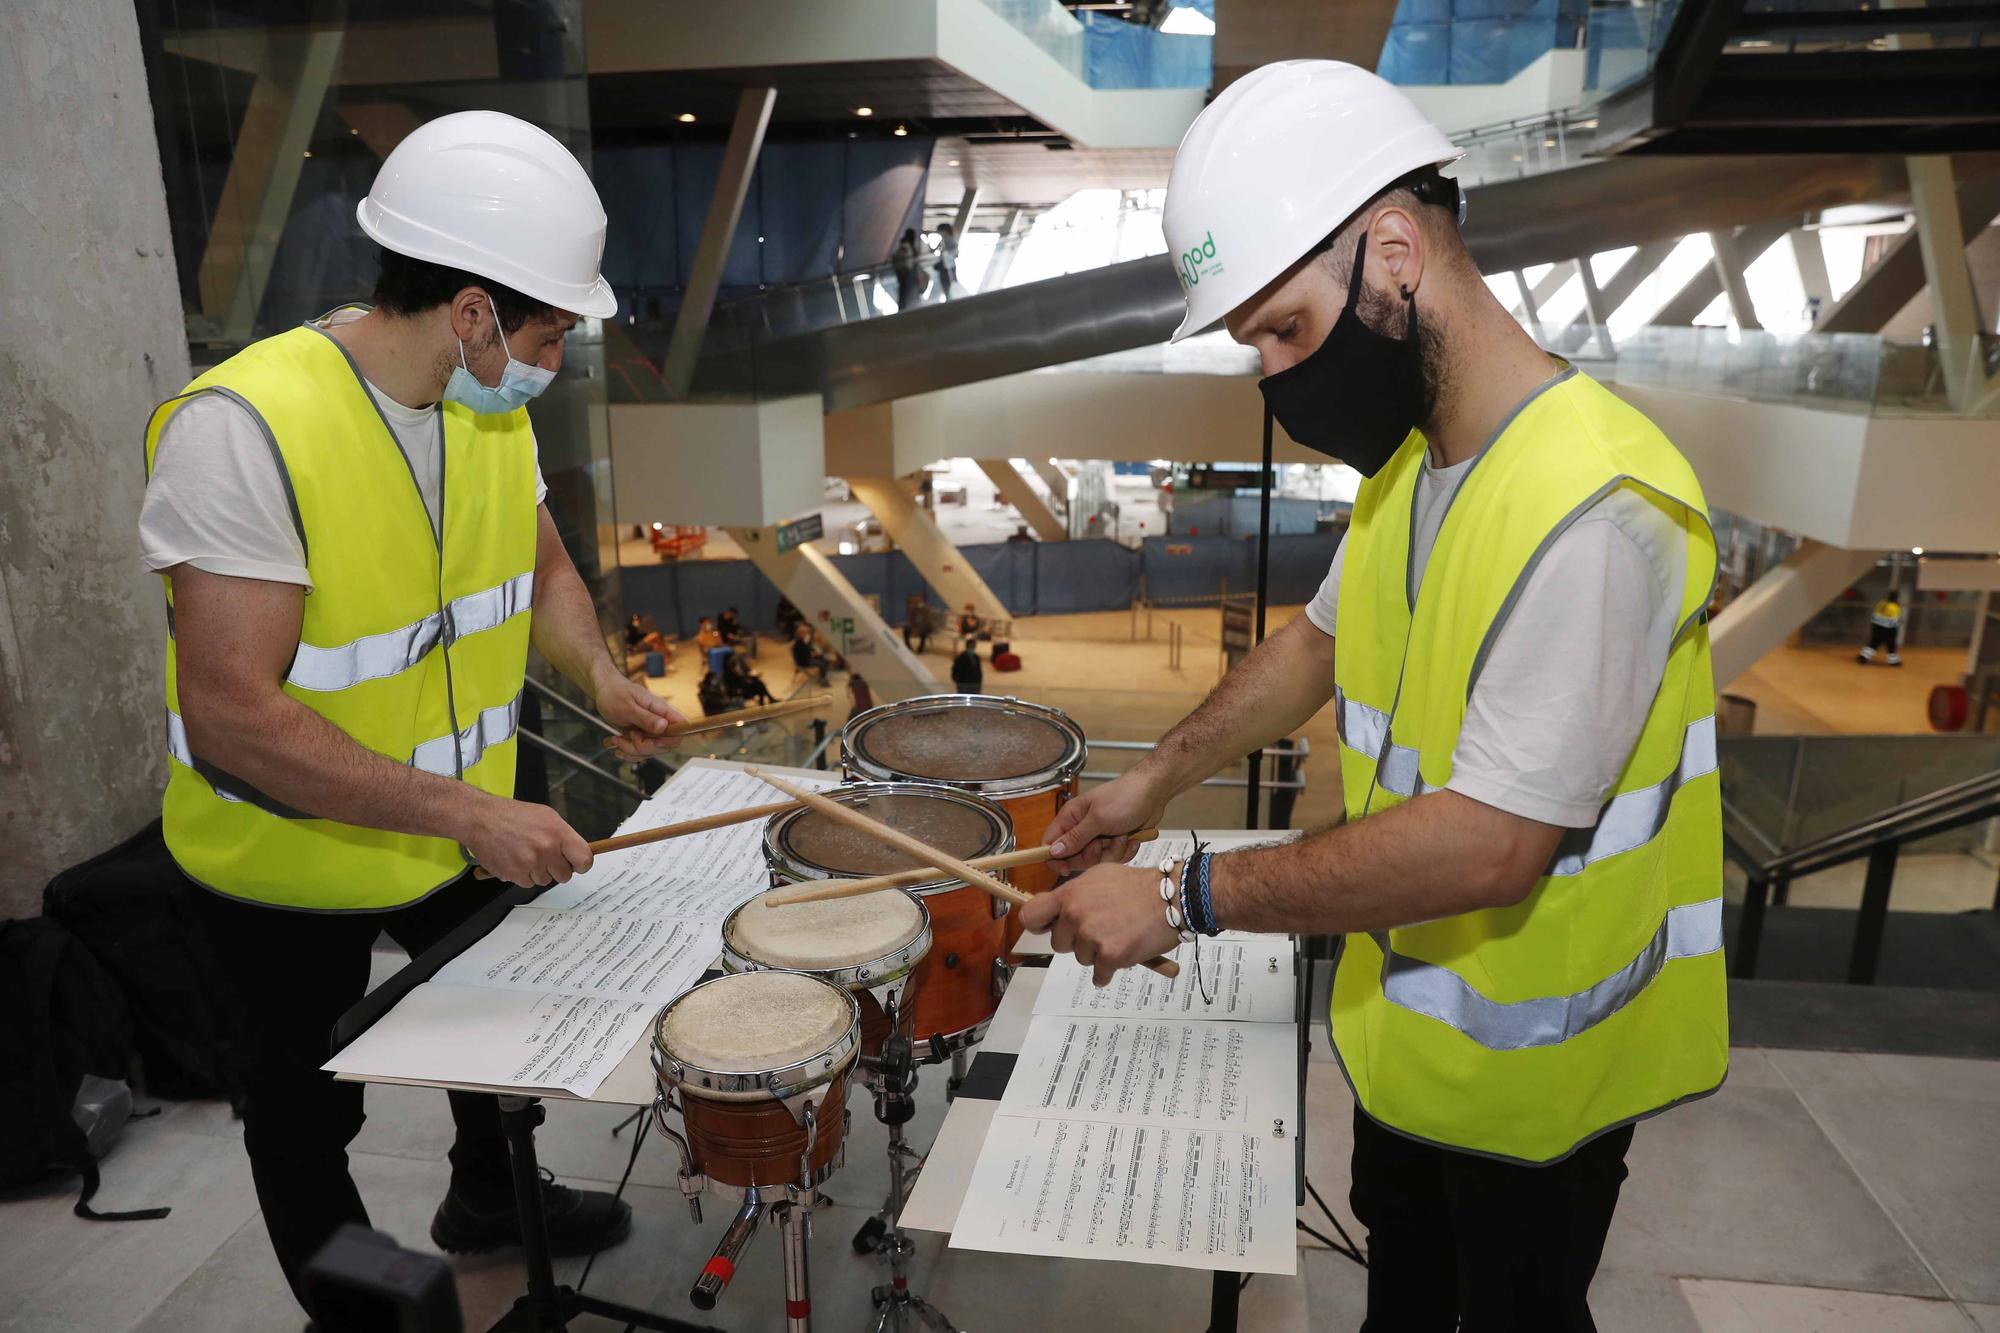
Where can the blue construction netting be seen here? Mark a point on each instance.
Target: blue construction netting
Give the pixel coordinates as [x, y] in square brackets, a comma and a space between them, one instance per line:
[1476, 41]
[1030, 578]
[1118, 54]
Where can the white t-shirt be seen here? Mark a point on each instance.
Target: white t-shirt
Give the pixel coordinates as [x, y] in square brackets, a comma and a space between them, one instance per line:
[216, 499]
[1558, 707]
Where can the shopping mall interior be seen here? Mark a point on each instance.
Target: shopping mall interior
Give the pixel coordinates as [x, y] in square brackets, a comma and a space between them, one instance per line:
[887, 413]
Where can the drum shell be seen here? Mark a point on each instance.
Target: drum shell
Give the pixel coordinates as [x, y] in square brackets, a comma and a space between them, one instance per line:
[1032, 815]
[745, 1143]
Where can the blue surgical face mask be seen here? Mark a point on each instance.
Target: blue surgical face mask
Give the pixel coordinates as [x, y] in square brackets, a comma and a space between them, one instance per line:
[519, 381]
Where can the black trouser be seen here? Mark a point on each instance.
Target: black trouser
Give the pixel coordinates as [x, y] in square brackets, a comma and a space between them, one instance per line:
[1459, 1242]
[292, 975]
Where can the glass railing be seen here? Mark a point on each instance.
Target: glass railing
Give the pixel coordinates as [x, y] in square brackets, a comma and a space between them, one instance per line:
[1105, 51]
[1781, 792]
[1621, 40]
[1846, 372]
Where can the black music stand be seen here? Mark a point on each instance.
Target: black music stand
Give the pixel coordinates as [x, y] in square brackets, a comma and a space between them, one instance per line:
[547, 1306]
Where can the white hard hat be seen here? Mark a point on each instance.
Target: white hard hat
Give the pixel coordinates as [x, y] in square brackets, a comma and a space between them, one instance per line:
[1271, 167]
[499, 198]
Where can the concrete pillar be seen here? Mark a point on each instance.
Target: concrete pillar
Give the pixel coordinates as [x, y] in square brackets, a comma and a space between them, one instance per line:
[725, 207]
[1595, 309]
[1016, 491]
[1810, 258]
[1706, 284]
[95, 341]
[1785, 598]
[1729, 266]
[813, 583]
[928, 548]
[1954, 303]
[1056, 480]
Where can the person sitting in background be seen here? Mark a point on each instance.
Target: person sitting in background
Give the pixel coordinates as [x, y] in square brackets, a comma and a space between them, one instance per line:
[706, 636]
[718, 660]
[739, 680]
[859, 697]
[729, 625]
[1020, 534]
[968, 621]
[641, 637]
[966, 674]
[804, 655]
[711, 694]
[789, 617]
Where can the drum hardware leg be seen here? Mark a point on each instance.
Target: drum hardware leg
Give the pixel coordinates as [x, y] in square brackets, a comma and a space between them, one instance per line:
[897, 1305]
[547, 1307]
[791, 1218]
[721, 1266]
[691, 1182]
[961, 1062]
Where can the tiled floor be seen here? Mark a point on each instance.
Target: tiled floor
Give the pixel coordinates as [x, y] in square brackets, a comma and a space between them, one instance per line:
[1817, 1191]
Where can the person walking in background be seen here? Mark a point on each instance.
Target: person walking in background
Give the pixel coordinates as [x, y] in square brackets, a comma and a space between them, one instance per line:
[967, 677]
[908, 261]
[917, 625]
[1885, 630]
[947, 258]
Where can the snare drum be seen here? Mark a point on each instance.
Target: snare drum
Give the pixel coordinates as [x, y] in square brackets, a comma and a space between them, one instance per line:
[760, 1062]
[861, 945]
[1023, 756]
[956, 986]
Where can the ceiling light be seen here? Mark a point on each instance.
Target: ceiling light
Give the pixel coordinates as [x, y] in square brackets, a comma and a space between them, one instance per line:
[1916, 550]
[902, 131]
[1188, 22]
[953, 162]
[309, 152]
[686, 117]
[864, 111]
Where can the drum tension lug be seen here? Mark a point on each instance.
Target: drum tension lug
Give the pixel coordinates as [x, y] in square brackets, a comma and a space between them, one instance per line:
[1002, 974]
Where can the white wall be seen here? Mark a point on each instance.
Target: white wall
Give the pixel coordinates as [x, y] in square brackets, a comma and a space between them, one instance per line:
[1552, 83]
[746, 464]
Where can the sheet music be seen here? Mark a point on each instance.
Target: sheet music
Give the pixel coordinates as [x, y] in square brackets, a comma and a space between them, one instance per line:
[1147, 1193]
[1186, 1073]
[560, 991]
[499, 1038]
[612, 957]
[1249, 976]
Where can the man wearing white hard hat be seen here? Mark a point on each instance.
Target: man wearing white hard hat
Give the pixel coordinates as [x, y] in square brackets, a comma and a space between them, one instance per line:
[1528, 879]
[348, 521]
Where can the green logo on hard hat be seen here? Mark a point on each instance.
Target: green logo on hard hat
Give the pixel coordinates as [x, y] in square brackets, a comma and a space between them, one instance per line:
[1197, 263]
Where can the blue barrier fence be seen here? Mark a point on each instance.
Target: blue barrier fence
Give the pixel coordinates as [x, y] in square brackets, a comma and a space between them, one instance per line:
[1031, 578]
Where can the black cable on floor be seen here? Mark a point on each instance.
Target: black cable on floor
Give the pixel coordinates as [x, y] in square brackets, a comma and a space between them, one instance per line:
[638, 1142]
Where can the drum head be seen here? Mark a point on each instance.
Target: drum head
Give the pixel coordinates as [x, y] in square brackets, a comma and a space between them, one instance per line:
[805, 844]
[824, 936]
[751, 1022]
[997, 746]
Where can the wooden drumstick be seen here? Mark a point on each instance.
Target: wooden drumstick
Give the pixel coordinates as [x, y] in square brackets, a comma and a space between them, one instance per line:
[723, 721]
[665, 831]
[925, 853]
[822, 890]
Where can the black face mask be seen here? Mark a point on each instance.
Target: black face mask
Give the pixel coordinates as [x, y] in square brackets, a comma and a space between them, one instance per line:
[1358, 396]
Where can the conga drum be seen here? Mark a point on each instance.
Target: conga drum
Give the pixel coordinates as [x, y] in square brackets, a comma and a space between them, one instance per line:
[956, 986]
[1024, 757]
[868, 946]
[759, 1063]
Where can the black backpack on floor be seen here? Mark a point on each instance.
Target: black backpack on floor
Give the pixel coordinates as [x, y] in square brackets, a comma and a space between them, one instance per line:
[66, 1018]
[126, 906]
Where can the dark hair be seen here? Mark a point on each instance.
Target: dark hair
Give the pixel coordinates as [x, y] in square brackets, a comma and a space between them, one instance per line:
[1425, 185]
[409, 286]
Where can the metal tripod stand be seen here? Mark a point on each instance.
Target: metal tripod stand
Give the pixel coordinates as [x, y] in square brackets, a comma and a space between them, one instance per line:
[893, 1082]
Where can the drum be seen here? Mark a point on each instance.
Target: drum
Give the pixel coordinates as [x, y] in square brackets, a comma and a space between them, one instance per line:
[760, 1062]
[956, 986]
[1023, 756]
[862, 945]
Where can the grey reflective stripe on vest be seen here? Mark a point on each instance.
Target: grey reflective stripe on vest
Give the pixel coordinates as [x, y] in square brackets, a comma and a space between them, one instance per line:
[1634, 818]
[228, 787]
[1689, 931]
[1363, 729]
[491, 727]
[377, 655]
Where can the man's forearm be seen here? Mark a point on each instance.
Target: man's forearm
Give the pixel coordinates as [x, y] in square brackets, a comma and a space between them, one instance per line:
[295, 756]
[1271, 693]
[1436, 856]
[565, 628]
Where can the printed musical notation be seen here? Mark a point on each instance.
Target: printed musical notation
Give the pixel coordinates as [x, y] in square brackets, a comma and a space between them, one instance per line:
[1219, 1075]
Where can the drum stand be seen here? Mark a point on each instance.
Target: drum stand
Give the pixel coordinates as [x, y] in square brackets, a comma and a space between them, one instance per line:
[894, 1083]
[547, 1307]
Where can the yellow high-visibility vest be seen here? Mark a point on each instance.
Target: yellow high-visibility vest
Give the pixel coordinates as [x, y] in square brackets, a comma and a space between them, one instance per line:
[1522, 1031]
[1888, 614]
[414, 642]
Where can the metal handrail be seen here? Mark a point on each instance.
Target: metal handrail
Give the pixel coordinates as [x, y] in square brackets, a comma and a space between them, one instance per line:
[1900, 823]
[544, 692]
[542, 742]
[1304, 747]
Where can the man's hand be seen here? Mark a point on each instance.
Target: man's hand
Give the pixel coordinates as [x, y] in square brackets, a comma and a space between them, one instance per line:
[521, 842]
[1109, 917]
[637, 712]
[1091, 829]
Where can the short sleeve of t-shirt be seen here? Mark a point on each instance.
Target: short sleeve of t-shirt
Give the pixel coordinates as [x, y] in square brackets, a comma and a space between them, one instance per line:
[217, 499]
[1558, 706]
